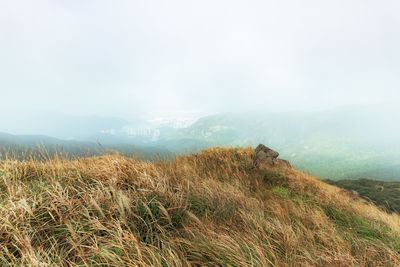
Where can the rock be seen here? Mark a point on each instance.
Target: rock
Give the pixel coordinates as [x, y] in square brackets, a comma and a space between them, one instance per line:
[263, 159]
[267, 158]
[267, 150]
[281, 163]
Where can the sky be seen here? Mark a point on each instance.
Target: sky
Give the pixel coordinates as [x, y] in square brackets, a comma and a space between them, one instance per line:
[150, 58]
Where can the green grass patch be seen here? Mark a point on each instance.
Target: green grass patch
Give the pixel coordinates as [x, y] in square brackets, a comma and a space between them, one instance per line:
[352, 222]
[281, 191]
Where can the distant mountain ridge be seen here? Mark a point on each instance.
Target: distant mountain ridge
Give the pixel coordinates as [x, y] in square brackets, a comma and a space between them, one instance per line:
[39, 144]
[336, 144]
[352, 142]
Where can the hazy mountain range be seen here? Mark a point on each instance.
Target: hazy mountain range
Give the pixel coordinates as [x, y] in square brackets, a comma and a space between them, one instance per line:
[350, 142]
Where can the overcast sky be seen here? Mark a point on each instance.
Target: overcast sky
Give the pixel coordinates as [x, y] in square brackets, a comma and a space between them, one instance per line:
[168, 58]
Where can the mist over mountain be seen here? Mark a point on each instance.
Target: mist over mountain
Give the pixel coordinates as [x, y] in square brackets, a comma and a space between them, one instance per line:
[23, 147]
[56, 124]
[185, 75]
[340, 143]
[348, 142]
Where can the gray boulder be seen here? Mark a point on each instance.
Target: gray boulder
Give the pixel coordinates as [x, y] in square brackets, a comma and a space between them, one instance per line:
[262, 158]
[268, 151]
[267, 158]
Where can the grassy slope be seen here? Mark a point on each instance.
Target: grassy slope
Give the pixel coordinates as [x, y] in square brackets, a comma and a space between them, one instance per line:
[211, 209]
[382, 193]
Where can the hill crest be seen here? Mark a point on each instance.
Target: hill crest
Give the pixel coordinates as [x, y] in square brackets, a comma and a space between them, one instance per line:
[211, 208]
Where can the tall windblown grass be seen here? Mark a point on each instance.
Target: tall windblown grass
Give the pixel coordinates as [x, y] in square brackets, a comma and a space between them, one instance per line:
[209, 209]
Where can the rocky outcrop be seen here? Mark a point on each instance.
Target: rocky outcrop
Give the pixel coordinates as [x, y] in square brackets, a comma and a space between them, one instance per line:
[267, 158]
[268, 152]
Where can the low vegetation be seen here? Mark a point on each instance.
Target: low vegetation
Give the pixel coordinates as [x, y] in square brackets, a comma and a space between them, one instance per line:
[384, 194]
[209, 209]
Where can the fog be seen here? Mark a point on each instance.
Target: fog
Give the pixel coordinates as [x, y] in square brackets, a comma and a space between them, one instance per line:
[144, 59]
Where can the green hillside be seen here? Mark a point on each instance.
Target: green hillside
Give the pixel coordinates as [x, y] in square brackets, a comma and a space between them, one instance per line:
[384, 194]
[336, 144]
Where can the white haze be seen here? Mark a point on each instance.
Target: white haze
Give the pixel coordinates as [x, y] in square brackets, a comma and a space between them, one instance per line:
[143, 59]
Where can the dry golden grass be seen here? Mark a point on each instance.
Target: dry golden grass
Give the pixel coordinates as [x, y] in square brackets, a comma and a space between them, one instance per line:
[209, 209]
